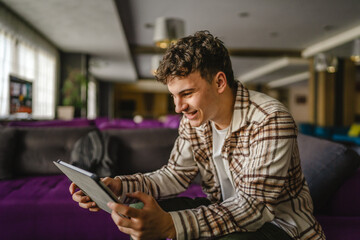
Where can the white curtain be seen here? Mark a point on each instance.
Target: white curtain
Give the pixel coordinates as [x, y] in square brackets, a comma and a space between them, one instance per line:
[44, 87]
[5, 67]
[26, 59]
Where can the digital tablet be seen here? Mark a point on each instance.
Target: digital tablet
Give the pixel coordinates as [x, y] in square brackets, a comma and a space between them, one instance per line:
[90, 184]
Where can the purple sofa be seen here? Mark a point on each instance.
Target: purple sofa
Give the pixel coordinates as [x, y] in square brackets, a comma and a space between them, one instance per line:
[34, 199]
[35, 202]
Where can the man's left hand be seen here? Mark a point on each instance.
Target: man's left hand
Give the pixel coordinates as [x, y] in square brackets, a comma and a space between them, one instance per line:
[150, 222]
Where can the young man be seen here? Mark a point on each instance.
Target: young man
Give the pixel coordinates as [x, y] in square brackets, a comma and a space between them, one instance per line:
[242, 143]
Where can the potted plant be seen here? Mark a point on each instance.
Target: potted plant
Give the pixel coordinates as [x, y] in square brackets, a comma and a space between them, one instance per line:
[72, 101]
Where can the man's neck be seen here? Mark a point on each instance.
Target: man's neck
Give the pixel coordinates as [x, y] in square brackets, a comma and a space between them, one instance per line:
[226, 110]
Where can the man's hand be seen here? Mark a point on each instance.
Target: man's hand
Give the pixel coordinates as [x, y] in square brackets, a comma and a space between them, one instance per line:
[85, 201]
[150, 222]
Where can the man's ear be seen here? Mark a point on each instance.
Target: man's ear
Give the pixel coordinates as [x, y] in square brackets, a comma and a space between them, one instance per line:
[220, 81]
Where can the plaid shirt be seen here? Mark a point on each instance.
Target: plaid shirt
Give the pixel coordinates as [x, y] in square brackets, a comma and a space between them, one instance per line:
[264, 162]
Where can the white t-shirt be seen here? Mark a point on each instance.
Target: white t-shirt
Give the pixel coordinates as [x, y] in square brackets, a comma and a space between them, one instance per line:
[222, 166]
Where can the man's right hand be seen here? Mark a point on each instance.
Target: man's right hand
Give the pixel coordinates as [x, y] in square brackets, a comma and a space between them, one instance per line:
[85, 202]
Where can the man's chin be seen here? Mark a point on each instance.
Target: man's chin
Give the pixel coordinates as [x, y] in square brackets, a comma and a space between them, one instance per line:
[195, 123]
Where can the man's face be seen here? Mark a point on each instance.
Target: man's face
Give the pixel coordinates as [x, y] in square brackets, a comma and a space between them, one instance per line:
[196, 98]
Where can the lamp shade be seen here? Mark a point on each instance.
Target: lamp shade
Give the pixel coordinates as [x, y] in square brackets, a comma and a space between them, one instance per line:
[167, 30]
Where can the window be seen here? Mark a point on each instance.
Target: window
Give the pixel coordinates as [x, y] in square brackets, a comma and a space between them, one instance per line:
[30, 60]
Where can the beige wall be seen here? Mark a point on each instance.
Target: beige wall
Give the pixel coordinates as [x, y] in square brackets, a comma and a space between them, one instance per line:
[300, 111]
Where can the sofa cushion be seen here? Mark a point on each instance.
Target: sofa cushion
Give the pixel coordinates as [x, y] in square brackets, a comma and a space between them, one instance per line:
[138, 150]
[326, 166]
[7, 144]
[37, 148]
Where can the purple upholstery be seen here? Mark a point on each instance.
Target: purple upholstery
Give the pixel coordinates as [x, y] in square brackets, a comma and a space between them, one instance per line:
[98, 121]
[193, 191]
[342, 221]
[172, 121]
[117, 124]
[340, 227]
[77, 122]
[42, 208]
[149, 123]
[127, 123]
[347, 198]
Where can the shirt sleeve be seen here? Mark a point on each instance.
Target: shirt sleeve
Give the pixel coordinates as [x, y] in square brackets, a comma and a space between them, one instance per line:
[259, 182]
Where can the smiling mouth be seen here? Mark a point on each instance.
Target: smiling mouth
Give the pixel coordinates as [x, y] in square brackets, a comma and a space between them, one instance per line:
[191, 115]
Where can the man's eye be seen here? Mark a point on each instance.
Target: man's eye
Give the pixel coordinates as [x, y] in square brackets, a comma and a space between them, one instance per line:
[187, 94]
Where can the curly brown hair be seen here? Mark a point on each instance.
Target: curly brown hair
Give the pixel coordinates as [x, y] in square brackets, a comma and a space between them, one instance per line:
[201, 52]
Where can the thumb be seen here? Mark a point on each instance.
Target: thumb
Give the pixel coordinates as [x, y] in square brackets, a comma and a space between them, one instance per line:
[143, 197]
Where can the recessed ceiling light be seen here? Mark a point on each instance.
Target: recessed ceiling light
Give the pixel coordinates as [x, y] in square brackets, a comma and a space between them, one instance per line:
[244, 14]
[274, 34]
[149, 25]
[328, 27]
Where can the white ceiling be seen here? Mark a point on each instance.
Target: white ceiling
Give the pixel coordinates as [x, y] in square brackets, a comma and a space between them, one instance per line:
[101, 28]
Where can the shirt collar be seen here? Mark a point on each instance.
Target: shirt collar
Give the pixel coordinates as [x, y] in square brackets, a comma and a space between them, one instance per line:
[241, 108]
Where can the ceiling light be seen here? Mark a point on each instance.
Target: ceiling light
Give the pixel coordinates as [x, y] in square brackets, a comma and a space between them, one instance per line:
[149, 25]
[167, 31]
[329, 27]
[355, 56]
[320, 62]
[244, 14]
[326, 62]
[274, 34]
[289, 80]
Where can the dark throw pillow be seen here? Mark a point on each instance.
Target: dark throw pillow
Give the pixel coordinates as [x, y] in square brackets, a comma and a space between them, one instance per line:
[88, 154]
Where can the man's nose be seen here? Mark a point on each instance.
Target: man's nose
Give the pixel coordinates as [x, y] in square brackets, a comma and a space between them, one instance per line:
[180, 106]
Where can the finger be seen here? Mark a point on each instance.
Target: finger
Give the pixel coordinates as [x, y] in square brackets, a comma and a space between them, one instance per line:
[106, 180]
[94, 209]
[143, 197]
[72, 188]
[79, 196]
[120, 221]
[125, 230]
[111, 183]
[87, 205]
[124, 210]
